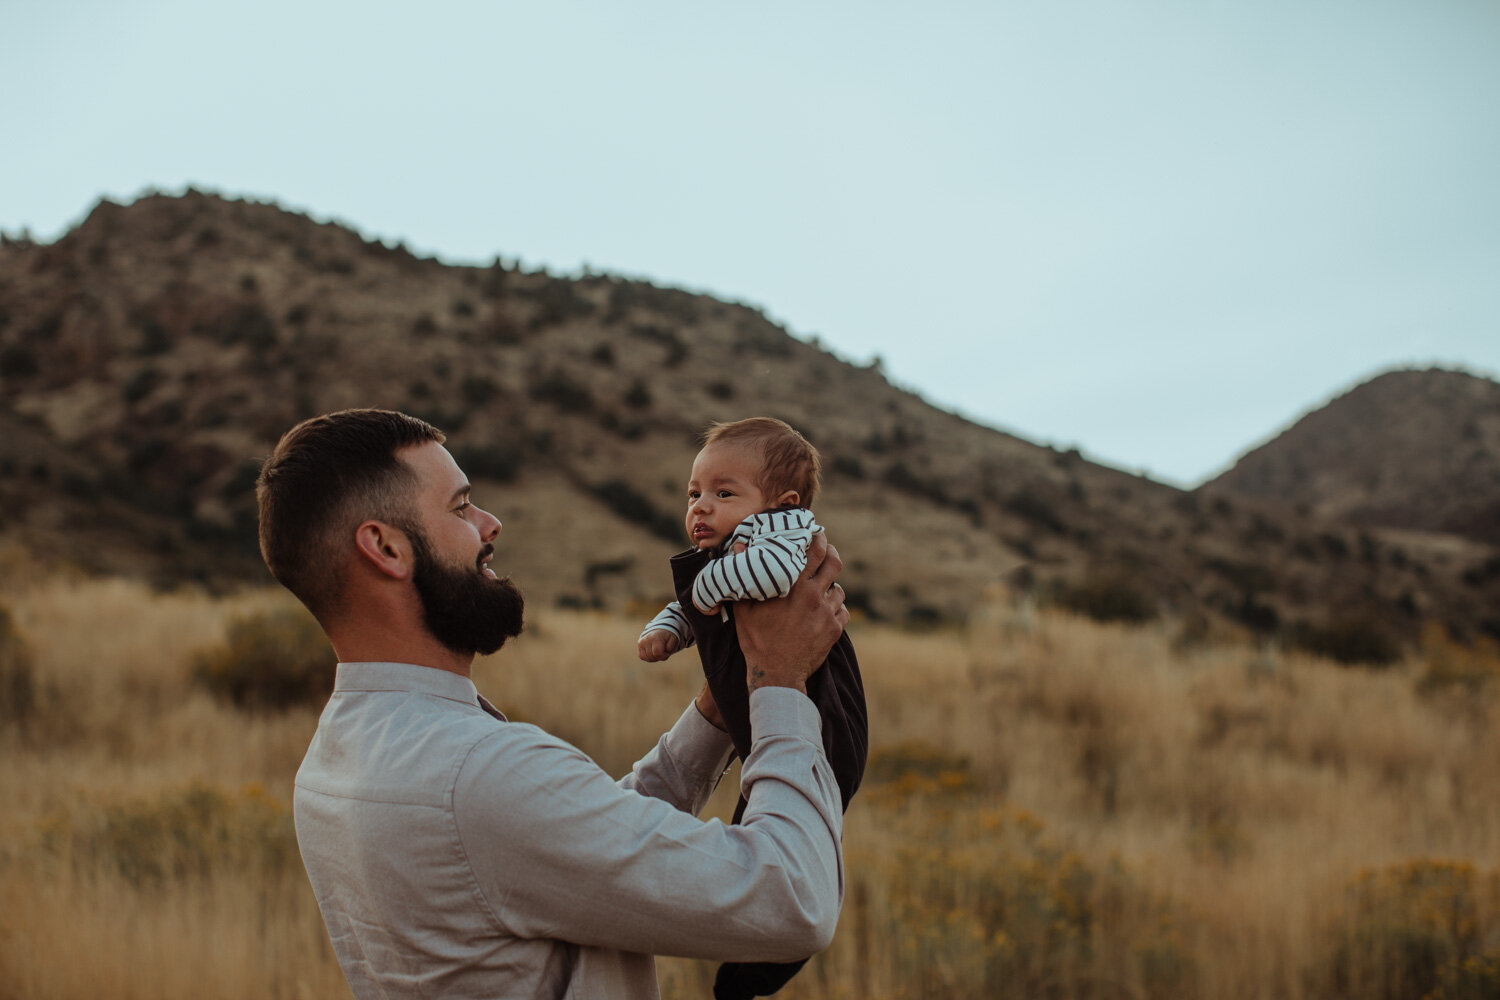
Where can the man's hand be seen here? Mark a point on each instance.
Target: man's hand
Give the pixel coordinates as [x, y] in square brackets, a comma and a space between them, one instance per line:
[786, 640]
[657, 645]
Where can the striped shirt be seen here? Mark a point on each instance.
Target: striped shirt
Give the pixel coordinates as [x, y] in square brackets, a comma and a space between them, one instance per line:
[775, 554]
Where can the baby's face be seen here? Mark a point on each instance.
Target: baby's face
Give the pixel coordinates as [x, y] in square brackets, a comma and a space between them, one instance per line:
[722, 492]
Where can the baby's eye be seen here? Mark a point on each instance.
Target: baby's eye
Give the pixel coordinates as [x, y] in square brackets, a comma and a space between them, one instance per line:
[725, 494]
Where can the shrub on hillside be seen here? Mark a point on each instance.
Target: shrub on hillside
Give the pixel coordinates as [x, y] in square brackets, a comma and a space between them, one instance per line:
[847, 465]
[1036, 509]
[1419, 930]
[271, 660]
[1107, 599]
[899, 476]
[557, 301]
[638, 396]
[1350, 640]
[623, 499]
[478, 389]
[17, 680]
[677, 350]
[142, 384]
[249, 324]
[562, 391]
[984, 903]
[488, 461]
[18, 360]
[183, 833]
[1452, 666]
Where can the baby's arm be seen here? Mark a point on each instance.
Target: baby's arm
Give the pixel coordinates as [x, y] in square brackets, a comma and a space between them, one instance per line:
[769, 553]
[664, 635]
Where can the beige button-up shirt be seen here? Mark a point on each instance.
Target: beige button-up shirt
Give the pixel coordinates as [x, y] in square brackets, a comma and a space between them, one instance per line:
[457, 855]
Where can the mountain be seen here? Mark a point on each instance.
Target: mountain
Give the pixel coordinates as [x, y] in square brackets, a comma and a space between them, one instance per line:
[1408, 449]
[150, 358]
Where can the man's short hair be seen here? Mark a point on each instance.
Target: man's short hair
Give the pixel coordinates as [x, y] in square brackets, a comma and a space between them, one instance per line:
[788, 460]
[325, 477]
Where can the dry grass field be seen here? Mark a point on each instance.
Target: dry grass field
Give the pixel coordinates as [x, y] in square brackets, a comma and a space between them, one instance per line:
[1055, 808]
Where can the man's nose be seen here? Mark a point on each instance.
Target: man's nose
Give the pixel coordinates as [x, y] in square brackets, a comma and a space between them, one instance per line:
[489, 525]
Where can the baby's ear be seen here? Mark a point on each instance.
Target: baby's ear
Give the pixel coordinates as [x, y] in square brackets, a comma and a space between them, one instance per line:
[791, 498]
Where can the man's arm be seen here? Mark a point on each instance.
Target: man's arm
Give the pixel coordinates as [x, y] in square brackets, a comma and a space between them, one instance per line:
[558, 850]
[685, 766]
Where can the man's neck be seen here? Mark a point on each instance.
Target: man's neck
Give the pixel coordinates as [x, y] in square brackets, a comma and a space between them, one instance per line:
[357, 645]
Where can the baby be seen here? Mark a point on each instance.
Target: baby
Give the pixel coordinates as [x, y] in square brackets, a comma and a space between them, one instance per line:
[750, 526]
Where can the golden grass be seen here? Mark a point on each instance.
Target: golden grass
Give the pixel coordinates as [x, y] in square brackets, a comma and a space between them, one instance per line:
[1056, 808]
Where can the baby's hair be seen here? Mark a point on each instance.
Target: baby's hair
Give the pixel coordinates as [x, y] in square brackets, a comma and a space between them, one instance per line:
[789, 461]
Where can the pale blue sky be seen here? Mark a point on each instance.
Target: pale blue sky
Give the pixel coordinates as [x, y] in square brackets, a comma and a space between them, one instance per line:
[1155, 230]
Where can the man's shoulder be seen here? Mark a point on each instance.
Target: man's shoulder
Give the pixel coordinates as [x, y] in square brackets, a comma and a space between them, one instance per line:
[410, 745]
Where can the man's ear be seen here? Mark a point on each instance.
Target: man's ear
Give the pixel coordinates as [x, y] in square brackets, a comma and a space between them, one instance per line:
[386, 547]
[791, 498]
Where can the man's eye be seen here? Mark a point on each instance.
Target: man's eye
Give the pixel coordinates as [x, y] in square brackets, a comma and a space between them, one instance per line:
[463, 507]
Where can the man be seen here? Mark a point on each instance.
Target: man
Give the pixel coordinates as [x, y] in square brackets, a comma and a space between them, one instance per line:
[455, 854]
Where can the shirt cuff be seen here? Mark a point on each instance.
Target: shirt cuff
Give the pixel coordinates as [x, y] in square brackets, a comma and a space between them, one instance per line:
[695, 739]
[784, 711]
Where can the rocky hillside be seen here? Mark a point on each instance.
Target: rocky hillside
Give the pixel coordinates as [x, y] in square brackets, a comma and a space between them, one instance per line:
[1407, 449]
[150, 358]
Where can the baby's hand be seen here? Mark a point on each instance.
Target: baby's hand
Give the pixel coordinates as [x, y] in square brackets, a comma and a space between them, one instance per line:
[657, 645]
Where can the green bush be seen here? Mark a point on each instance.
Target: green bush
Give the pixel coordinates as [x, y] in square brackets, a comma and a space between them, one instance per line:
[1450, 665]
[184, 833]
[914, 767]
[984, 903]
[271, 660]
[1418, 930]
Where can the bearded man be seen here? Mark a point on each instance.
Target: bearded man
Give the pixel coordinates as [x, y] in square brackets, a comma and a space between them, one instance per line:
[456, 854]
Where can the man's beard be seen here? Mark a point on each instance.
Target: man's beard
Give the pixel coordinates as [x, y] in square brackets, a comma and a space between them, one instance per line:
[464, 609]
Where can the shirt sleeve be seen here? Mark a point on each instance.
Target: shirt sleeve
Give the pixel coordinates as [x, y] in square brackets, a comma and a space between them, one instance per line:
[685, 766]
[558, 850]
[775, 555]
[671, 619]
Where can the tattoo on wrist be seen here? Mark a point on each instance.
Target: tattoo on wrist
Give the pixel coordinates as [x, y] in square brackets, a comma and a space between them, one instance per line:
[756, 676]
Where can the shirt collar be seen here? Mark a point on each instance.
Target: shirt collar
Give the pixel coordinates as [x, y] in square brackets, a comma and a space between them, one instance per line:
[409, 677]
